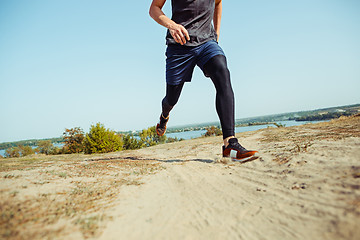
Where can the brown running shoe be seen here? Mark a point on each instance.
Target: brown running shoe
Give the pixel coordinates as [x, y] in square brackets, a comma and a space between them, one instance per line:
[161, 126]
[237, 152]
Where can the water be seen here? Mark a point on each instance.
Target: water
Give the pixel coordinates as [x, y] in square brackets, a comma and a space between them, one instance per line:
[199, 133]
[186, 135]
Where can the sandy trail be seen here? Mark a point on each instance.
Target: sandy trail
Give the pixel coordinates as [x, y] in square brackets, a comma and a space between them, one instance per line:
[315, 195]
[305, 185]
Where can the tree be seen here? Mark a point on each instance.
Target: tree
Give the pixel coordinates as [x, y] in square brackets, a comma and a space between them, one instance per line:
[101, 140]
[73, 138]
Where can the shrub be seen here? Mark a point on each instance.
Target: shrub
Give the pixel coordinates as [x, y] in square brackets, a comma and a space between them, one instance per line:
[73, 139]
[150, 138]
[130, 142]
[26, 150]
[102, 140]
[57, 150]
[19, 151]
[175, 139]
[213, 131]
[45, 146]
[12, 152]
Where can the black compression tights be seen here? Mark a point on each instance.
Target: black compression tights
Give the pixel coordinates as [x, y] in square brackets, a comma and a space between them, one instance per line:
[216, 69]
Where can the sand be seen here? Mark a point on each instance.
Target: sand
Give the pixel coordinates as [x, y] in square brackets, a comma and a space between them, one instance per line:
[305, 185]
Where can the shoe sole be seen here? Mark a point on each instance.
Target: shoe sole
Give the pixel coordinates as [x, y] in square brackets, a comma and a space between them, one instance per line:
[250, 158]
[160, 135]
[156, 129]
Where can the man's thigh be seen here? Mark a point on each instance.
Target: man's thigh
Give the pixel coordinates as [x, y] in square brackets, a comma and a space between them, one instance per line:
[180, 64]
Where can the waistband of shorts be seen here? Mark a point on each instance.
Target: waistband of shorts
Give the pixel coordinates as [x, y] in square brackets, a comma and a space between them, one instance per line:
[184, 47]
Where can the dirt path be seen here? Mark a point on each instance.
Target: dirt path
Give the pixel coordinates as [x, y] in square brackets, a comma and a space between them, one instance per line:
[305, 185]
[314, 195]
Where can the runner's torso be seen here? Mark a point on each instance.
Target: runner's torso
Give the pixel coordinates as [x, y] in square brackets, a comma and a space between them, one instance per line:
[196, 16]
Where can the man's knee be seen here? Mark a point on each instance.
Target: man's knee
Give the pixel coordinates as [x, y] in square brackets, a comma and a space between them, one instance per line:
[168, 102]
[217, 67]
[221, 71]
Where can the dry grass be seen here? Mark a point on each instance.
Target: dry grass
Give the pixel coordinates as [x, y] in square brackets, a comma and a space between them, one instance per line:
[46, 197]
[284, 143]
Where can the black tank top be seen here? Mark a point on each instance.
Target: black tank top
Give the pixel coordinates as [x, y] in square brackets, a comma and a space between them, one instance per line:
[196, 16]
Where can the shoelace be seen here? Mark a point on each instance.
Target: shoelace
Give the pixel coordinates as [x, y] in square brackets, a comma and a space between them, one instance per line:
[237, 146]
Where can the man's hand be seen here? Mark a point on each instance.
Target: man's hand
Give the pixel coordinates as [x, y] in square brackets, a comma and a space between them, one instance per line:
[179, 33]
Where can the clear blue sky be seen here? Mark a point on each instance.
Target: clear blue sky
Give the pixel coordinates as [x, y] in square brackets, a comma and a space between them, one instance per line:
[71, 63]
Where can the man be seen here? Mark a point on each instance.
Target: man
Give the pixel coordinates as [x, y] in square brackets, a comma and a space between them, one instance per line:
[192, 40]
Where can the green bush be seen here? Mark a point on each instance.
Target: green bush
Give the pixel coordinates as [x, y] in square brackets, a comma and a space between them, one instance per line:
[26, 150]
[45, 146]
[130, 142]
[101, 140]
[57, 151]
[150, 138]
[19, 151]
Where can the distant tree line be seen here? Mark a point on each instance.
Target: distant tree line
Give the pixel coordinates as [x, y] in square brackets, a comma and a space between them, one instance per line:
[31, 142]
[98, 140]
[325, 116]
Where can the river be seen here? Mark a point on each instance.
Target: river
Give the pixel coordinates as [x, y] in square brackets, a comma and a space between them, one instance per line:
[199, 133]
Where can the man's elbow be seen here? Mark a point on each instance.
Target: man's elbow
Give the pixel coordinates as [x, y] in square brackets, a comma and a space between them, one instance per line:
[218, 3]
[151, 11]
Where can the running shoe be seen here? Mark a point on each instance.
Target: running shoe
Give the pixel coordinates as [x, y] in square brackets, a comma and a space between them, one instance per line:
[161, 126]
[237, 152]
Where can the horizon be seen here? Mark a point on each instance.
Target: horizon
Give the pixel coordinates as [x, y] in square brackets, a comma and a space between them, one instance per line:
[191, 124]
[94, 65]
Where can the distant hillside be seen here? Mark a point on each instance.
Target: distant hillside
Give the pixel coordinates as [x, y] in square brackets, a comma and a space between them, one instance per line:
[330, 113]
[300, 116]
[311, 115]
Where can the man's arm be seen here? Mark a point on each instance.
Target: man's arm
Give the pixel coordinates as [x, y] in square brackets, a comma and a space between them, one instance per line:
[177, 31]
[217, 17]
